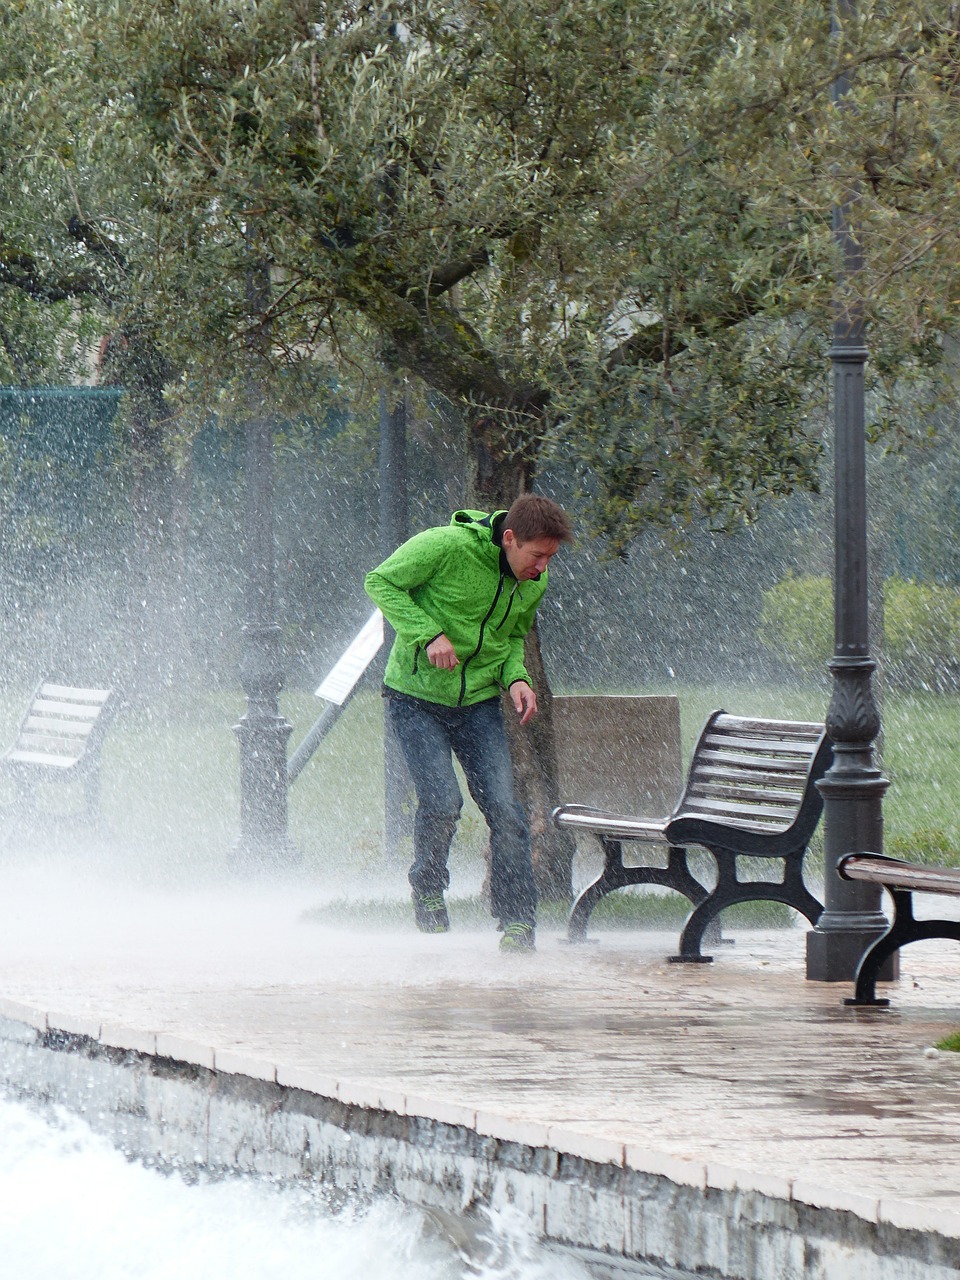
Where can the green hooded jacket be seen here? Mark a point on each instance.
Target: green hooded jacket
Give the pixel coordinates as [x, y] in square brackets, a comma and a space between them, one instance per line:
[455, 580]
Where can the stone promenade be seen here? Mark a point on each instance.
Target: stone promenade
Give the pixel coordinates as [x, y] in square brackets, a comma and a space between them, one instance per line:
[738, 1077]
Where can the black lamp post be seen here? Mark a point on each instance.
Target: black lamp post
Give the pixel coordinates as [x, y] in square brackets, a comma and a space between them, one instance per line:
[262, 733]
[853, 788]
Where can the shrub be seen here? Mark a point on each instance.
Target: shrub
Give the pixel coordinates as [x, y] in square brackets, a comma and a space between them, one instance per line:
[921, 642]
[924, 844]
[921, 625]
[796, 621]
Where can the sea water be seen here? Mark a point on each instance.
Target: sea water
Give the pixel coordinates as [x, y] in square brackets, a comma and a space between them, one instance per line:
[72, 1207]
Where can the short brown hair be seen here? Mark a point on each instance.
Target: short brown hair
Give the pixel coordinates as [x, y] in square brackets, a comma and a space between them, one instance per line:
[532, 516]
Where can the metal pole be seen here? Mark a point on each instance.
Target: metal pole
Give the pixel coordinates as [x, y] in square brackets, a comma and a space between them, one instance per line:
[394, 529]
[262, 733]
[853, 788]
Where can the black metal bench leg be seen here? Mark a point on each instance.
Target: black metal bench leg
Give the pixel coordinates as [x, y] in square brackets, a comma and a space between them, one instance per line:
[903, 930]
[729, 891]
[796, 893]
[676, 875]
[609, 879]
[681, 878]
[692, 936]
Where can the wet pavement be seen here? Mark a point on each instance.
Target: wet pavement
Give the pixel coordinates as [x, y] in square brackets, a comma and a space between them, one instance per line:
[740, 1066]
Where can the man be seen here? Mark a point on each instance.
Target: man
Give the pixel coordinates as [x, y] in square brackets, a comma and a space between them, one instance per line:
[461, 599]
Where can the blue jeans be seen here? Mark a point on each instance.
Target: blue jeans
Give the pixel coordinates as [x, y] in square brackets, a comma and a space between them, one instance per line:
[429, 736]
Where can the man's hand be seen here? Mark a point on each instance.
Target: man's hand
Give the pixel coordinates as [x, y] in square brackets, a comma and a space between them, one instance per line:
[442, 653]
[524, 700]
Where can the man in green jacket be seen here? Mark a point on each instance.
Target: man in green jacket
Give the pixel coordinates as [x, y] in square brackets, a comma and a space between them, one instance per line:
[461, 598]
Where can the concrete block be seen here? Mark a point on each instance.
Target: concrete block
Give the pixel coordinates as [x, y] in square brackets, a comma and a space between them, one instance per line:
[177, 1114]
[75, 1024]
[922, 1215]
[128, 1038]
[528, 1133]
[587, 1146]
[16, 1032]
[235, 1062]
[308, 1079]
[619, 752]
[678, 1169]
[27, 1014]
[722, 1178]
[443, 1111]
[182, 1050]
[371, 1096]
[841, 1199]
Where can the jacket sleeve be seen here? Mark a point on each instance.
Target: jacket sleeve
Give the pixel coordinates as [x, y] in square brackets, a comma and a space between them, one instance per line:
[390, 586]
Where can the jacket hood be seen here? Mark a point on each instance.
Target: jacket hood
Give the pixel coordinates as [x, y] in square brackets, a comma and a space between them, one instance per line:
[481, 520]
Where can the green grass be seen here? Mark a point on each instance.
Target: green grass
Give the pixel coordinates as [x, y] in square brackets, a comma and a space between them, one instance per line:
[950, 1043]
[626, 910]
[171, 791]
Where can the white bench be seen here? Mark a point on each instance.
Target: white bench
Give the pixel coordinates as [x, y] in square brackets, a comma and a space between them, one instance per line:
[59, 740]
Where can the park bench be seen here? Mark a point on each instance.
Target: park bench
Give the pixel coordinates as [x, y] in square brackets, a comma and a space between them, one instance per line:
[901, 880]
[750, 792]
[59, 740]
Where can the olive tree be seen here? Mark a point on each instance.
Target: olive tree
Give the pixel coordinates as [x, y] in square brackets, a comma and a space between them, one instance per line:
[600, 229]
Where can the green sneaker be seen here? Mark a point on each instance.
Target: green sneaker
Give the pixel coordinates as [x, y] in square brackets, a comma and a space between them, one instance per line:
[430, 913]
[518, 937]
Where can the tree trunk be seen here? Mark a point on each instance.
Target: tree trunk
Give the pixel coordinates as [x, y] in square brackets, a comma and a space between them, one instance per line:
[158, 646]
[495, 479]
[535, 757]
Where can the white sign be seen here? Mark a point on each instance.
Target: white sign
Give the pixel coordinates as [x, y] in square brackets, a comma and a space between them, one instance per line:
[358, 655]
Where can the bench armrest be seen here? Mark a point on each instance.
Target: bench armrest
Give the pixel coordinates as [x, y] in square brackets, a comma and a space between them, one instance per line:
[601, 822]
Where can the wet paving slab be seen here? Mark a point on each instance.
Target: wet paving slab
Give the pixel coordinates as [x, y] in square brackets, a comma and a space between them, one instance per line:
[740, 1064]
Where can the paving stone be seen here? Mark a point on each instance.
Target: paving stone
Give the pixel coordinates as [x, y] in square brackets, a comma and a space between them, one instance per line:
[74, 1024]
[735, 1076]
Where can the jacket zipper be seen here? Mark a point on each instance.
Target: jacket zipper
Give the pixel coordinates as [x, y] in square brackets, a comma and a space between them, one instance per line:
[515, 590]
[466, 662]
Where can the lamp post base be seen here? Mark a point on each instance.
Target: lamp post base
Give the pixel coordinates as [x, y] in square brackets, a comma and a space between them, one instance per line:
[264, 845]
[833, 955]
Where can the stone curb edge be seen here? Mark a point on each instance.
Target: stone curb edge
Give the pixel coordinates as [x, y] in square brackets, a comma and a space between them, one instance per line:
[368, 1095]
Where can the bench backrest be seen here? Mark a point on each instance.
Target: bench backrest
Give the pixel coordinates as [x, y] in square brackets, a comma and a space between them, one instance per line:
[756, 778]
[62, 723]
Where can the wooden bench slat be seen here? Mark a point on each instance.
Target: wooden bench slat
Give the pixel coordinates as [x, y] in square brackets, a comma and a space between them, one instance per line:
[782, 728]
[763, 746]
[720, 790]
[903, 875]
[49, 746]
[752, 777]
[727, 808]
[618, 824]
[70, 710]
[769, 764]
[46, 725]
[64, 691]
[41, 758]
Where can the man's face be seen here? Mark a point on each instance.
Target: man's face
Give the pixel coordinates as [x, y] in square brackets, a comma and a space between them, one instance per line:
[528, 559]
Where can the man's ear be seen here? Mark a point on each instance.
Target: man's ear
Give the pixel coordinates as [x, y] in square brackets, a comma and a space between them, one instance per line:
[508, 538]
